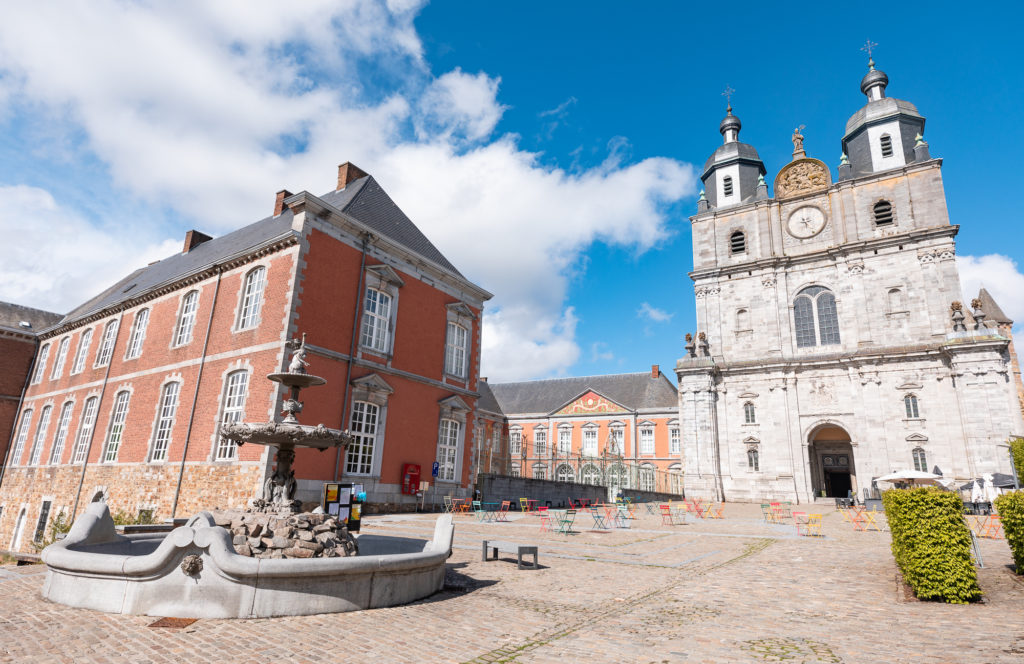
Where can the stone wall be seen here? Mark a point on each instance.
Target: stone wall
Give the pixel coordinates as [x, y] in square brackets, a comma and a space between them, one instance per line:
[553, 493]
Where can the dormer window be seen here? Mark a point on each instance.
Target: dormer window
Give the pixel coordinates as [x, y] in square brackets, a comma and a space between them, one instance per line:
[737, 242]
[727, 186]
[886, 142]
[883, 213]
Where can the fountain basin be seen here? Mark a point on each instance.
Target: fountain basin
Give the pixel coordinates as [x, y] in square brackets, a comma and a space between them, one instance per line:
[194, 572]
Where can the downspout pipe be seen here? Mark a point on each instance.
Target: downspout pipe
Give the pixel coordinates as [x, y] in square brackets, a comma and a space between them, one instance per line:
[99, 404]
[195, 396]
[21, 401]
[356, 315]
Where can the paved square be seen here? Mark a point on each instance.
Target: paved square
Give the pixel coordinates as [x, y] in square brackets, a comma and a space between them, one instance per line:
[735, 590]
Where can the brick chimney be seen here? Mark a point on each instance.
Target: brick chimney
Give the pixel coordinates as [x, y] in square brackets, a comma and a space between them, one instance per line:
[349, 172]
[193, 239]
[655, 371]
[279, 201]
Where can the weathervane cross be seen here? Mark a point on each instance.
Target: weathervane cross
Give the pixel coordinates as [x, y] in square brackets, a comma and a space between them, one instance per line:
[868, 46]
[728, 93]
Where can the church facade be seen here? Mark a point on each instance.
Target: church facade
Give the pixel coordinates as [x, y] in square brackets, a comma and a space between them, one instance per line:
[833, 346]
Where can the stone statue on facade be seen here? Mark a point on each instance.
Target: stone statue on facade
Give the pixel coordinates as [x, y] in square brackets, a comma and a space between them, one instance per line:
[798, 142]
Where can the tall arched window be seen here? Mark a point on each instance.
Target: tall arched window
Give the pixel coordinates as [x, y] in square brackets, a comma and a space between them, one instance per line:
[749, 414]
[61, 435]
[252, 298]
[107, 343]
[886, 141]
[737, 242]
[591, 474]
[920, 460]
[37, 446]
[910, 402]
[85, 427]
[815, 317]
[753, 459]
[882, 213]
[236, 386]
[40, 371]
[137, 335]
[166, 410]
[118, 415]
[83, 349]
[742, 319]
[186, 319]
[564, 473]
[727, 185]
[19, 442]
[359, 455]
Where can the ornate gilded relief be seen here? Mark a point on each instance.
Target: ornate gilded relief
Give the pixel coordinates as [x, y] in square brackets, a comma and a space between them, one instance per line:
[591, 402]
[802, 176]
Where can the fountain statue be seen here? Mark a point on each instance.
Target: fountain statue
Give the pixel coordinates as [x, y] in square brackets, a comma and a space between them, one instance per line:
[279, 489]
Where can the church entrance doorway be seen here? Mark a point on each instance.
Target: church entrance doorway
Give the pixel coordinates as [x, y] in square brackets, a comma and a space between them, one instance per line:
[833, 473]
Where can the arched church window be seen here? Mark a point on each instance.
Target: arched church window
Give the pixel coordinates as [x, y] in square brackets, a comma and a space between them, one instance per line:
[737, 242]
[886, 142]
[815, 317]
[742, 319]
[727, 186]
[910, 402]
[749, 415]
[753, 459]
[895, 300]
[883, 213]
[920, 460]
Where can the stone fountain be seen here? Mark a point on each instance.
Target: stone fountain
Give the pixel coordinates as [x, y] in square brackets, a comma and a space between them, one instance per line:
[269, 560]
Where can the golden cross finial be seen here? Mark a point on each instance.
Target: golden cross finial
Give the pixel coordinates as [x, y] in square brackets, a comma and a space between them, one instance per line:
[728, 93]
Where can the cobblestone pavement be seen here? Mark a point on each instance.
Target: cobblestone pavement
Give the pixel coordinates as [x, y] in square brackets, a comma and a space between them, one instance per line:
[735, 590]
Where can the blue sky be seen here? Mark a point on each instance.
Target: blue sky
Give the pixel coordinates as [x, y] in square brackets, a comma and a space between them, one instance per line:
[551, 150]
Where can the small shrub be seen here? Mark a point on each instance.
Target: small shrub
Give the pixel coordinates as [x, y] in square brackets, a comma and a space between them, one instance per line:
[1017, 449]
[59, 526]
[931, 544]
[1011, 512]
[123, 518]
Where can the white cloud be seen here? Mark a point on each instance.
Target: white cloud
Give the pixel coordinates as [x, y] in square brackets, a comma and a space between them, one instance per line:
[999, 275]
[653, 313]
[599, 352]
[209, 108]
[55, 260]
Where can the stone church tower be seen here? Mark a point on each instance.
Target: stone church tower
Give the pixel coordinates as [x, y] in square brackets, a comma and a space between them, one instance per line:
[833, 347]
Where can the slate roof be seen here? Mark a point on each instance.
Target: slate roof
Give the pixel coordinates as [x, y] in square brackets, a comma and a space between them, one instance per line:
[365, 200]
[487, 401]
[362, 199]
[992, 310]
[632, 390]
[13, 315]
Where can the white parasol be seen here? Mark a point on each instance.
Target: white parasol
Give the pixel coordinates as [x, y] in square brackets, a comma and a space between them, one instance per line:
[977, 495]
[990, 489]
[911, 476]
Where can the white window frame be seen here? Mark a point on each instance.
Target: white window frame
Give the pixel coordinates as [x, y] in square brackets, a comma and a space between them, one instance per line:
[163, 427]
[920, 457]
[44, 355]
[138, 334]
[647, 477]
[616, 440]
[61, 434]
[19, 443]
[85, 428]
[515, 442]
[186, 319]
[40, 440]
[448, 445]
[540, 471]
[912, 407]
[456, 350]
[234, 395]
[646, 440]
[675, 440]
[749, 413]
[564, 440]
[375, 330]
[753, 459]
[540, 442]
[564, 473]
[62, 356]
[364, 426]
[250, 303]
[107, 343]
[115, 430]
[513, 470]
[84, 341]
[590, 442]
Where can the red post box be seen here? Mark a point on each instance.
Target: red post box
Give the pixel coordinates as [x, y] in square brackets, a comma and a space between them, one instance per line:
[410, 478]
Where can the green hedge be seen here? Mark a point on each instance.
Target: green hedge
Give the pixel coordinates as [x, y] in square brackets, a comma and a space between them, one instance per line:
[1017, 449]
[1011, 512]
[931, 544]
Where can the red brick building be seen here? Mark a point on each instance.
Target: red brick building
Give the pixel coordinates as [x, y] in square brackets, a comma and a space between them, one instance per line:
[18, 343]
[617, 430]
[129, 388]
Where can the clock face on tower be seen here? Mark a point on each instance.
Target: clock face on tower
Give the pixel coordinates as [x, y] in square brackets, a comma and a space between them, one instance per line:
[806, 222]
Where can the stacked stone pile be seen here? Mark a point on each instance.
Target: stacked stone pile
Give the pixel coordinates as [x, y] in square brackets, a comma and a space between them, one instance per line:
[260, 535]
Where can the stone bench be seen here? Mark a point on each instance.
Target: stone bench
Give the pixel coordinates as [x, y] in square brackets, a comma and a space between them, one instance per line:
[509, 547]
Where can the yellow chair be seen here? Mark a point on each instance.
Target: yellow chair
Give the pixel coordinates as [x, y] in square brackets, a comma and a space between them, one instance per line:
[814, 525]
[524, 505]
